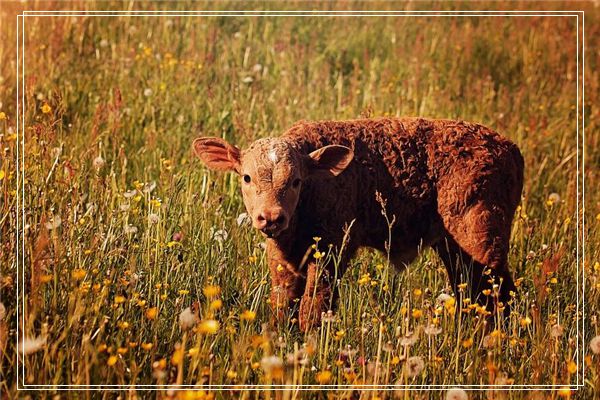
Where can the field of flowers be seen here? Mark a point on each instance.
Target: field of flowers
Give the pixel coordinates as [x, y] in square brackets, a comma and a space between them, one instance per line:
[137, 266]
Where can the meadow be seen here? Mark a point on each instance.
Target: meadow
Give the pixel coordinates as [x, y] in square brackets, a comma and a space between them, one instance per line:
[138, 267]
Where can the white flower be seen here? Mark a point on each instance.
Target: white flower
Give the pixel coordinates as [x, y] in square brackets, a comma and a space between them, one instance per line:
[180, 119]
[104, 43]
[443, 297]
[153, 218]
[456, 394]
[130, 193]
[556, 331]
[243, 219]
[130, 230]
[414, 366]
[219, 235]
[149, 187]
[187, 319]
[595, 345]
[257, 68]
[409, 339]
[248, 79]
[271, 363]
[54, 222]
[169, 23]
[554, 198]
[147, 92]
[98, 162]
[432, 330]
[2, 311]
[31, 345]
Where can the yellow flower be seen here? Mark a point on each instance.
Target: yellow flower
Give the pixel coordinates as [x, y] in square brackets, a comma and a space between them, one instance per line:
[46, 108]
[318, 255]
[340, 334]
[122, 350]
[323, 377]
[112, 360]
[525, 322]
[462, 286]
[486, 292]
[252, 259]
[184, 292]
[215, 304]
[2, 173]
[78, 274]
[416, 313]
[280, 268]
[177, 357]
[119, 299]
[467, 343]
[46, 278]
[151, 313]
[248, 315]
[193, 351]
[571, 367]
[147, 346]
[231, 374]
[395, 360]
[417, 292]
[209, 326]
[2, 116]
[211, 290]
[564, 391]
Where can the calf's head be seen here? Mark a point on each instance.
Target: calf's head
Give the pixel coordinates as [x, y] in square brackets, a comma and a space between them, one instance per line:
[272, 173]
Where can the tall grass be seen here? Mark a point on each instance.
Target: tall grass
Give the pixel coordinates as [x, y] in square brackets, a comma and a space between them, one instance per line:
[124, 229]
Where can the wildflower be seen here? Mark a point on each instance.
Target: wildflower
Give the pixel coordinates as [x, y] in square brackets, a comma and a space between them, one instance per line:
[187, 319]
[524, 322]
[31, 345]
[409, 339]
[417, 292]
[564, 391]
[78, 274]
[147, 346]
[211, 290]
[219, 235]
[2, 116]
[248, 79]
[432, 330]
[149, 188]
[248, 315]
[193, 351]
[119, 299]
[130, 230]
[215, 304]
[318, 255]
[147, 92]
[416, 313]
[571, 367]
[122, 350]
[209, 326]
[323, 377]
[151, 313]
[98, 162]
[112, 360]
[273, 366]
[46, 109]
[153, 218]
[243, 219]
[456, 394]
[467, 343]
[183, 292]
[595, 345]
[414, 366]
[556, 331]
[553, 199]
[257, 68]
[55, 222]
[177, 356]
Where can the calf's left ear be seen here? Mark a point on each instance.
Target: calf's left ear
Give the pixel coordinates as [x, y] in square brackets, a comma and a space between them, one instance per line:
[329, 161]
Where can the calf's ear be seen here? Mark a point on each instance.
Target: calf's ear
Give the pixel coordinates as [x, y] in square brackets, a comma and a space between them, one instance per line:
[217, 154]
[329, 161]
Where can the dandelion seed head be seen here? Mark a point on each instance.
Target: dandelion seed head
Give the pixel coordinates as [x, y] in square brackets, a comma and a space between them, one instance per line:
[98, 162]
[147, 92]
[31, 345]
[456, 394]
[595, 345]
[187, 319]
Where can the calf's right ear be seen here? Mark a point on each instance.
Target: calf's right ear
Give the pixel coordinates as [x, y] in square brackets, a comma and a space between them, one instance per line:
[217, 154]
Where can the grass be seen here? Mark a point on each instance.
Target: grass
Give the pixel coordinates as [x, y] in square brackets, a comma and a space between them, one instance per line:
[125, 229]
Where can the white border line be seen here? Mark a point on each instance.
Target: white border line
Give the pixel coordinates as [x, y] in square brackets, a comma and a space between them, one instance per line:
[251, 13]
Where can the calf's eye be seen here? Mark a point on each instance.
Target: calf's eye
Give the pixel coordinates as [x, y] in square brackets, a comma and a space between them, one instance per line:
[247, 178]
[296, 183]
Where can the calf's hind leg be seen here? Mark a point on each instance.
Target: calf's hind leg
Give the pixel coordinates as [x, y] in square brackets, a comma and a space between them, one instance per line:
[476, 250]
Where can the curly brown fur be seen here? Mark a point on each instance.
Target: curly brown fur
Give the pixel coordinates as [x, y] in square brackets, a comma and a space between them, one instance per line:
[451, 185]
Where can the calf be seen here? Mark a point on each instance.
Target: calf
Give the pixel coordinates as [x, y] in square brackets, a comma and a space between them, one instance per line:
[450, 185]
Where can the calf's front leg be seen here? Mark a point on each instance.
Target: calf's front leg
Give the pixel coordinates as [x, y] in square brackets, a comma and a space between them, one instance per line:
[287, 285]
[319, 296]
